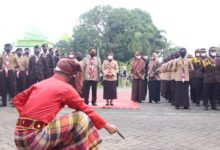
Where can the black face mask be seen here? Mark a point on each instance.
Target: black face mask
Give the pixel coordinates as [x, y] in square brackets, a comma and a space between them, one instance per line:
[79, 58]
[182, 54]
[27, 53]
[92, 54]
[19, 54]
[7, 49]
[37, 53]
[45, 50]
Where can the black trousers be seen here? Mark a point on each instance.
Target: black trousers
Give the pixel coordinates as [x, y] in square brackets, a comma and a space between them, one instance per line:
[34, 78]
[192, 90]
[209, 94]
[8, 85]
[154, 90]
[172, 91]
[21, 81]
[86, 89]
[0, 83]
[217, 93]
[196, 90]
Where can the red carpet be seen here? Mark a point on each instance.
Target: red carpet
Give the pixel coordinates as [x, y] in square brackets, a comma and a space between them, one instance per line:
[123, 102]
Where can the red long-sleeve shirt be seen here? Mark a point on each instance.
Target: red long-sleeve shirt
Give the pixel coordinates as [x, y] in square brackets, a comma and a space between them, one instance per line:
[42, 101]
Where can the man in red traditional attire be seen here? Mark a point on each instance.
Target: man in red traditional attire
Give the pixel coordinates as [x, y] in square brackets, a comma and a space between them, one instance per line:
[38, 129]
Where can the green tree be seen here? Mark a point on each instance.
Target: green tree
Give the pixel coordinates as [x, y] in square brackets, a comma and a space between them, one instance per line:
[64, 45]
[119, 30]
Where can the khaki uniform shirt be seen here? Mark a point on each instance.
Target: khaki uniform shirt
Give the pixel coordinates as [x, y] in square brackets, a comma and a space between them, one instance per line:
[110, 67]
[13, 62]
[182, 66]
[173, 72]
[23, 63]
[96, 65]
[161, 71]
[166, 74]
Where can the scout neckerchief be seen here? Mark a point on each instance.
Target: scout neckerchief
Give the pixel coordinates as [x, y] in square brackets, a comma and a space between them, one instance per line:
[213, 61]
[36, 59]
[7, 63]
[19, 63]
[91, 68]
[208, 62]
[110, 67]
[196, 60]
[183, 76]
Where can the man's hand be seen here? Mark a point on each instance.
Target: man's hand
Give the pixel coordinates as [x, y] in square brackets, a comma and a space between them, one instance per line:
[110, 128]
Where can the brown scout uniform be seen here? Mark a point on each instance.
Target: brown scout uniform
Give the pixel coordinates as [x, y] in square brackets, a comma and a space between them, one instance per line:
[182, 68]
[21, 73]
[8, 64]
[210, 80]
[196, 80]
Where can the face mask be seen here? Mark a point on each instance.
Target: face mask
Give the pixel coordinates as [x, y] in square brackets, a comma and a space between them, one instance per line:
[19, 54]
[197, 54]
[27, 53]
[110, 57]
[79, 58]
[7, 49]
[213, 54]
[37, 53]
[203, 54]
[92, 54]
[182, 54]
[145, 57]
[138, 57]
[71, 56]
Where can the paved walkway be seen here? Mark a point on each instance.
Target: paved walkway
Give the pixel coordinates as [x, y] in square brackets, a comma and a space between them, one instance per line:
[154, 126]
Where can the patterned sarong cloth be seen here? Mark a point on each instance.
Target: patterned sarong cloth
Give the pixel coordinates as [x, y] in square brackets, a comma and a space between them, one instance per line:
[74, 131]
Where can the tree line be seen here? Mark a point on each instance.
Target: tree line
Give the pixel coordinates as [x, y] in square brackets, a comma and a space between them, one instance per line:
[119, 30]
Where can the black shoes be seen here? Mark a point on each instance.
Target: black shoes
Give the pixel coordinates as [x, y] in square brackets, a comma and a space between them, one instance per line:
[213, 108]
[94, 104]
[3, 105]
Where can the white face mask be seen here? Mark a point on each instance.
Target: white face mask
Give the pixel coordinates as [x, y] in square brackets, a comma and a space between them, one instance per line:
[197, 54]
[203, 54]
[138, 57]
[213, 54]
[145, 57]
[71, 56]
[110, 57]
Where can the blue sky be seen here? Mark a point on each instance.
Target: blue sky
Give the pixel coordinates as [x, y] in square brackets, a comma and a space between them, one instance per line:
[189, 23]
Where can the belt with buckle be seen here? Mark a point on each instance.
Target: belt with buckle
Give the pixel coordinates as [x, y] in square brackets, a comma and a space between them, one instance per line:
[27, 123]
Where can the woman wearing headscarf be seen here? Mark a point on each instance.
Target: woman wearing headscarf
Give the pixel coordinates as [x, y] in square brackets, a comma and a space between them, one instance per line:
[154, 80]
[109, 70]
[182, 67]
[138, 81]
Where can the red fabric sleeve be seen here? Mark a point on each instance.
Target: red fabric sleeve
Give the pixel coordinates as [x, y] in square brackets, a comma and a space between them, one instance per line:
[20, 99]
[75, 101]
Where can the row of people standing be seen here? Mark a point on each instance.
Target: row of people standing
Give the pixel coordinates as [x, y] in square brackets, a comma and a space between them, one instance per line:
[20, 70]
[145, 75]
[174, 74]
[201, 73]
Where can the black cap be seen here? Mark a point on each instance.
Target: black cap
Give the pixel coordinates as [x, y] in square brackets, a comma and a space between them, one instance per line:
[36, 46]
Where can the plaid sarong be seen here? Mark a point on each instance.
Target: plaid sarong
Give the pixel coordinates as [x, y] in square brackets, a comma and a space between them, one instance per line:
[74, 131]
